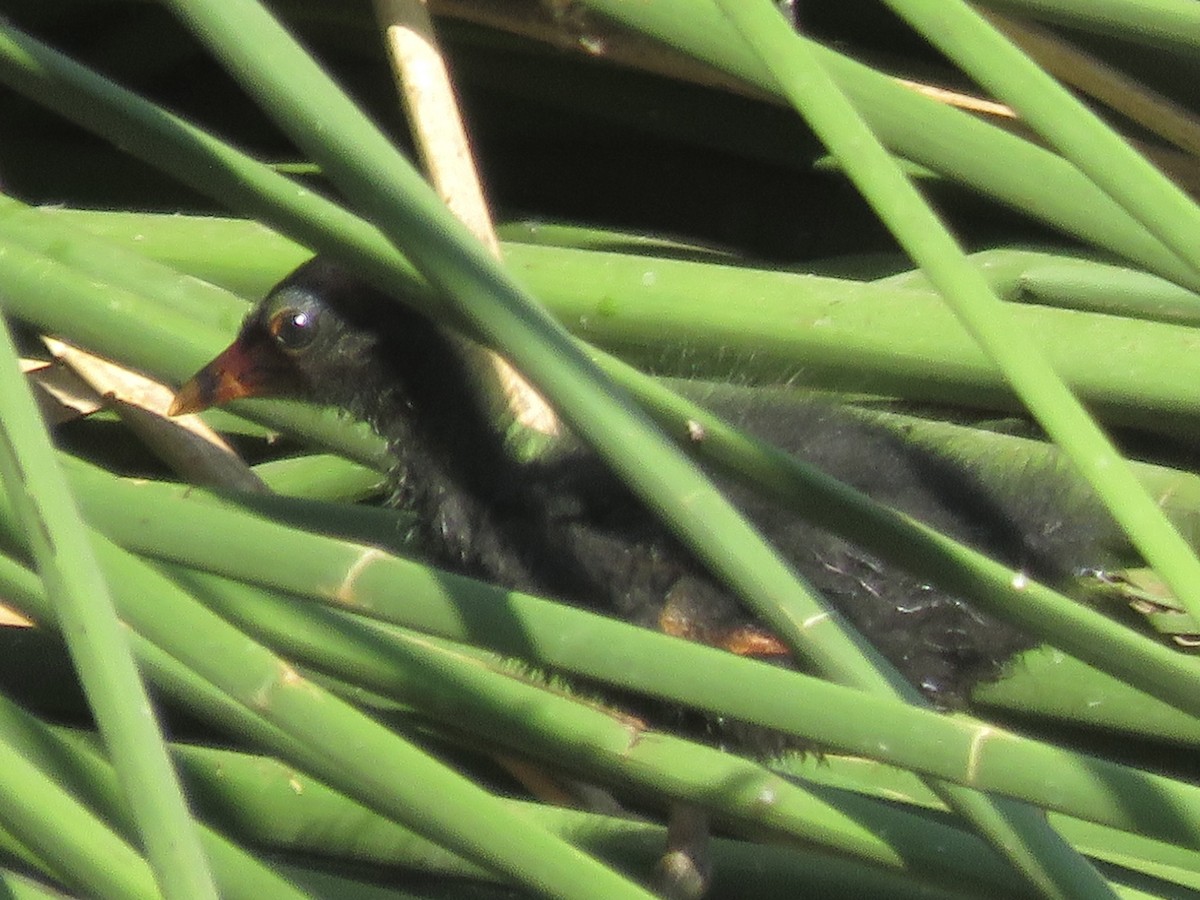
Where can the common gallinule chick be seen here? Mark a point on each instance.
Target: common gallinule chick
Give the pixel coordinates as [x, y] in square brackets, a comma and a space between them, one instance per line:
[565, 527]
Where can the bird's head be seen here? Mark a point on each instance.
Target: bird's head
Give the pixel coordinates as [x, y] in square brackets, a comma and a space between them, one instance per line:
[313, 337]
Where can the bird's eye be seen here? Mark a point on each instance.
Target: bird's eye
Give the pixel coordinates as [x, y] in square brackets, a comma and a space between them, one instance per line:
[293, 329]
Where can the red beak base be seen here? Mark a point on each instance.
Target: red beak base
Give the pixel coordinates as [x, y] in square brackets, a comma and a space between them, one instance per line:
[233, 375]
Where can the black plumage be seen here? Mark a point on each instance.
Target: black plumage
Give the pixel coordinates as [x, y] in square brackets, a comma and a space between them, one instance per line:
[565, 527]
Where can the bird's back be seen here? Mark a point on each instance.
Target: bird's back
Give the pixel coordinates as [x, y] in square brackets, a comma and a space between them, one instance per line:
[568, 528]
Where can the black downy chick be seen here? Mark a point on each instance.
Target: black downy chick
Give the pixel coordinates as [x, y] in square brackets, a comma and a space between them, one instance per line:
[567, 528]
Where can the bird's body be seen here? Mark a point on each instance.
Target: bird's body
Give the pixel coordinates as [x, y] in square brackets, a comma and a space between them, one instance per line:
[567, 528]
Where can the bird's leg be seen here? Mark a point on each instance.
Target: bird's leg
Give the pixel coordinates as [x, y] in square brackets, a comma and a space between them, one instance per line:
[685, 870]
[559, 790]
[693, 610]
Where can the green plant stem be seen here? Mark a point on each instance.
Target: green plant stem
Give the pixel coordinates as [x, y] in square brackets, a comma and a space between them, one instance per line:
[84, 611]
[70, 841]
[271, 805]
[1078, 133]
[456, 688]
[896, 337]
[946, 140]
[1065, 282]
[343, 746]
[76, 763]
[1156, 23]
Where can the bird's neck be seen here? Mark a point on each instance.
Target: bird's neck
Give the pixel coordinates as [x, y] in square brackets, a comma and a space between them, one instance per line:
[425, 400]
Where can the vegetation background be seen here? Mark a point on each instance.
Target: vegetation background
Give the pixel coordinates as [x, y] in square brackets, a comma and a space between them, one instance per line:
[695, 188]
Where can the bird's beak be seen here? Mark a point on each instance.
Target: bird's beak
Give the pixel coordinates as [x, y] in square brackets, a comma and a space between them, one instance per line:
[235, 374]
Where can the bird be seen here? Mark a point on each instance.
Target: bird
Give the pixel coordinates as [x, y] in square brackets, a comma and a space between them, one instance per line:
[564, 526]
